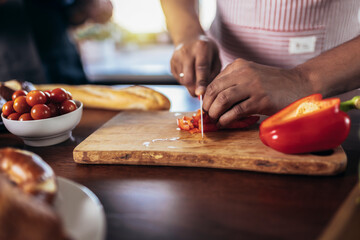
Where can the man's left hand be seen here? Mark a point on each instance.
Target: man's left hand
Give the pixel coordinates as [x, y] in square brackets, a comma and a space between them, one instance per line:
[244, 88]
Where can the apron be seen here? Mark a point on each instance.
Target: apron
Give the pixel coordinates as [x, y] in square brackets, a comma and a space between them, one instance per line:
[282, 33]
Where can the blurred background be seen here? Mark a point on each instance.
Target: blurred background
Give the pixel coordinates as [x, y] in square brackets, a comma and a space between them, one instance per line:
[134, 47]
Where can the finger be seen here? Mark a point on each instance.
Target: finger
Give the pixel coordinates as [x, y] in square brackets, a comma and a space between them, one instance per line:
[225, 100]
[188, 80]
[220, 83]
[176, 61]
[202, 67]
[232, 75]
[238, 111]
[175, 67]
[216, 68]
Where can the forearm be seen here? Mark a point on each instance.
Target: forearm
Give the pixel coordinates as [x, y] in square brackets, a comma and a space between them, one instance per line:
[182, 19]
[335, 71]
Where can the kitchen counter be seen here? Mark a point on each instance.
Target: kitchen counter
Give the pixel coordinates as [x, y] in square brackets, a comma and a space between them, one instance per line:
[142, 202]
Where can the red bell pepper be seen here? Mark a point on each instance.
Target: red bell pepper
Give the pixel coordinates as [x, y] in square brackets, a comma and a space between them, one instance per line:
[309, 124]
[185, 123]
[193, 125]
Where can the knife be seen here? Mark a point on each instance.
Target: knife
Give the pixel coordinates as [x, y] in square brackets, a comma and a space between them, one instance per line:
[201, 120]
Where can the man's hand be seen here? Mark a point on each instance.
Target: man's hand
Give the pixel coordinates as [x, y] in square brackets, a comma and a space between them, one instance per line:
[245, 88]
[195, 63]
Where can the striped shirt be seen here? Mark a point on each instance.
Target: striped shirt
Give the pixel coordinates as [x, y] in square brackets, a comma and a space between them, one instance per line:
[282, 33]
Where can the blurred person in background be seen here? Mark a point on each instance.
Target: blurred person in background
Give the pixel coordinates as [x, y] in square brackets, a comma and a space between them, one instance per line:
[34, 41]
[272, 53]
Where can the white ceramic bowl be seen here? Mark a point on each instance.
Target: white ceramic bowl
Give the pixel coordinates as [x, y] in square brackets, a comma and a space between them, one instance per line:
[45, 132]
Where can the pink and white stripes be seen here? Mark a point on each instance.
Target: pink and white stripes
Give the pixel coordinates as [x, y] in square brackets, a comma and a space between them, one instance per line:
[260, 30]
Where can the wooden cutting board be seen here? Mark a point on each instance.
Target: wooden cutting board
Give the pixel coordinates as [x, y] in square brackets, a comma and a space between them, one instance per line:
[152, 138]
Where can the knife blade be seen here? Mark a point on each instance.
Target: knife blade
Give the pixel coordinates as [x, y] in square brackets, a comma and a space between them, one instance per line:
[201, 119]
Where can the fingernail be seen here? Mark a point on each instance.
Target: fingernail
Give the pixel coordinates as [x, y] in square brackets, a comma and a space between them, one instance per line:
[200, 91]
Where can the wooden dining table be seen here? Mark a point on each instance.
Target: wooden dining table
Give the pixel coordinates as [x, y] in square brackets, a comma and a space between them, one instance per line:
[158, 202]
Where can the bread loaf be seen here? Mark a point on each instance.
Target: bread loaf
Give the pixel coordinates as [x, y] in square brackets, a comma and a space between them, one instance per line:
[106, 97]
[19, 85]
[24, 217]
[27, 189]
[29, 172]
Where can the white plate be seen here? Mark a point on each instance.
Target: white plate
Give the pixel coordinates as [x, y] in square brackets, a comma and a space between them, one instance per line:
[80, 210]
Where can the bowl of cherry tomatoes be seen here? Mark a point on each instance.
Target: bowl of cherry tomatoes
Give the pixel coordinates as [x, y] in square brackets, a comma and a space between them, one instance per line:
[42, 118]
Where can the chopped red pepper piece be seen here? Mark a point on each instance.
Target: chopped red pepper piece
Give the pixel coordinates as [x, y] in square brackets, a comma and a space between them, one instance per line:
[185, 123]
[193, 125]
[308, 125]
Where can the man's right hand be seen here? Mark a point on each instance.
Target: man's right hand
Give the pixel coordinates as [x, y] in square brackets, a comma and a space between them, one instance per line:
[195, 63]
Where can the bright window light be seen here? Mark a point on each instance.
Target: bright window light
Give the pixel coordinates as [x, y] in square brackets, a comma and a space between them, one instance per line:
[139, 16]
[146, 16]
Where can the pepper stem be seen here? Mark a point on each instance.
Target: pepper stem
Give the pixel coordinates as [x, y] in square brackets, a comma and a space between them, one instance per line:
[353, 103]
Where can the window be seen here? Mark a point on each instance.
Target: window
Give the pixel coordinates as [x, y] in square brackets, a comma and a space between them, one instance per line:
[134, 47]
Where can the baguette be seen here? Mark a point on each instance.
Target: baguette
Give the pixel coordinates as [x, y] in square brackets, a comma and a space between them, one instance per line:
[106, 97]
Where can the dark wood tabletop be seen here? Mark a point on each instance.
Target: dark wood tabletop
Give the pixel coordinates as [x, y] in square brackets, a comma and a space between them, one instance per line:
[144, 202]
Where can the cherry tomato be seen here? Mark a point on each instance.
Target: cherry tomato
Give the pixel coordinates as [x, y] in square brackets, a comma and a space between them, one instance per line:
[18, 93]
[69, 95]
[20, 105]
[67, 106]
[58, 95]
[35, 97]
[8, 108]
[54, 109]
[25, 117]
[47, 93]
[40, 111]
[14, 116]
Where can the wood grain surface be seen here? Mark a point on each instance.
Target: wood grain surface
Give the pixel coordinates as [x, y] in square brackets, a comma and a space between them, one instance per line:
[346, 222]
[152, 138]
[148, 202]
